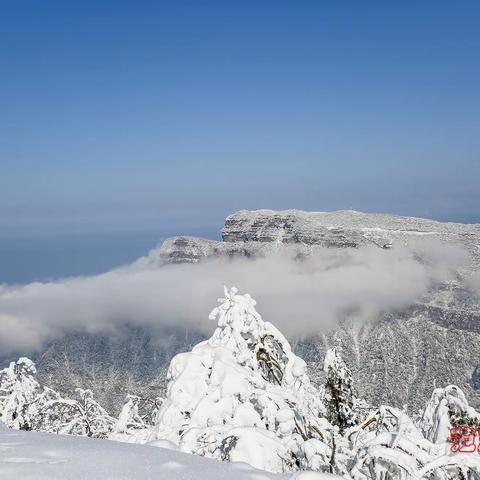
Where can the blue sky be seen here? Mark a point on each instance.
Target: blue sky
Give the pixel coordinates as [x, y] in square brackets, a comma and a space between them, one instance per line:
[170, 115]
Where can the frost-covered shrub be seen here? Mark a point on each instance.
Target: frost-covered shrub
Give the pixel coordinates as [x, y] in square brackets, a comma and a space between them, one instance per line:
[80, 416]
[388, 445]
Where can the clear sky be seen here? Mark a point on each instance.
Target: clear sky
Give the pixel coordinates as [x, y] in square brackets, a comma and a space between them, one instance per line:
[170, 115]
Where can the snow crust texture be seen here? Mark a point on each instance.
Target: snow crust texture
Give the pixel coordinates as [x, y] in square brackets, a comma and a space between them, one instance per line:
[42, 456]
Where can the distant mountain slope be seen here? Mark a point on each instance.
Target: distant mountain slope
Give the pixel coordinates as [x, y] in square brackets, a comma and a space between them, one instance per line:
[112, 366]
[397, 359]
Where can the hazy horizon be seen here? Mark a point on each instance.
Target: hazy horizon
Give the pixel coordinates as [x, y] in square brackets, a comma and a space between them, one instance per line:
[120, 116]
[44, 256]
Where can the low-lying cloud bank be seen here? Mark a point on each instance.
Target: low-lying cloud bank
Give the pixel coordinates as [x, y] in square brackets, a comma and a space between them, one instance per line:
[300, 298]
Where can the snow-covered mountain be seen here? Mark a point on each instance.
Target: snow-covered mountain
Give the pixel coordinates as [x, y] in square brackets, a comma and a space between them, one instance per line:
[436, 338]
[253, 233]
[240, 396]
[429, 335]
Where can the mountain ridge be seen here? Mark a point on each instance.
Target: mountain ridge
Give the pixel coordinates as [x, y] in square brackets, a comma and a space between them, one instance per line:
[431, 336]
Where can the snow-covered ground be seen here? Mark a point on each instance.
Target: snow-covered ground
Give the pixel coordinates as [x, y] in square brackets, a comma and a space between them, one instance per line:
[45, 456]
[38, 456]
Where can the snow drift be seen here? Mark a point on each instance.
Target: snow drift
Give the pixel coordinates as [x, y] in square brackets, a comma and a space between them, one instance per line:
[42, 456]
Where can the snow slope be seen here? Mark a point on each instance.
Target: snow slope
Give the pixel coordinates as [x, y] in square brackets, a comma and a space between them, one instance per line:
[43, 456]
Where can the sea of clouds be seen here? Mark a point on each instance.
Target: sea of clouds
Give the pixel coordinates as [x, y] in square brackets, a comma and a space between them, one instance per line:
[299, 297]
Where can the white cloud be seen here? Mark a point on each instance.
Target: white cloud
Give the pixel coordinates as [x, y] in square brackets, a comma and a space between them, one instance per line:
[300, 298]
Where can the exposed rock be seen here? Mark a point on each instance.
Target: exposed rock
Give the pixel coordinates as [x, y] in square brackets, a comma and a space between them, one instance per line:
[253, 233]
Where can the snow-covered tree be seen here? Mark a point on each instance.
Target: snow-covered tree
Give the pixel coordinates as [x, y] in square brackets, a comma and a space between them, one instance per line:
[131, 426]
[81, 416]
[447, 408]
[243, 395]
[388, 445]
[340, 398]
[21, 396]
[150, 408]
[129, 418]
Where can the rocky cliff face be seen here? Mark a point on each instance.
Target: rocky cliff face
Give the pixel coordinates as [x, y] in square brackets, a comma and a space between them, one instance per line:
[251, 233]
[437, 340]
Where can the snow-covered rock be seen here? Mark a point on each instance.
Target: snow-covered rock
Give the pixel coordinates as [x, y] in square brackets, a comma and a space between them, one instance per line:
[257, 232]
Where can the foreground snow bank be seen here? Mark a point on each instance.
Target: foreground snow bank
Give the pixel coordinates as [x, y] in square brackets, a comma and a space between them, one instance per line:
[44, 456]
[39, 456]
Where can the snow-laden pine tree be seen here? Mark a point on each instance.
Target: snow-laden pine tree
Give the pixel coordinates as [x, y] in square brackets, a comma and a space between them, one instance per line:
[448, 407]
[243, 395]
[80, 416]
[129, 418]
[343, 407]
[131, 426]
[21, 396]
